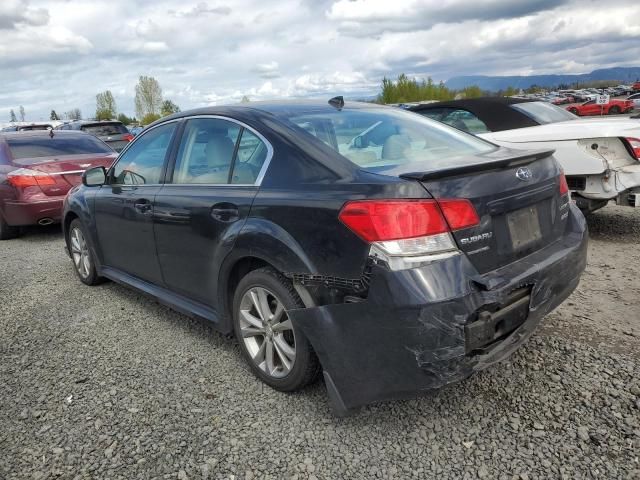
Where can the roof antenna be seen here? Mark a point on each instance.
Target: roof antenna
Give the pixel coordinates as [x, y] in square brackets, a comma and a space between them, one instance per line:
[337, 102]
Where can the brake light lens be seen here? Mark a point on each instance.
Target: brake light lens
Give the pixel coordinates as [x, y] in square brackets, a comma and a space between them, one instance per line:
[24, 177]
[459, 213]
[128, 137]
[407, 232]
[564, 186]
[634, 144]
[378, 221]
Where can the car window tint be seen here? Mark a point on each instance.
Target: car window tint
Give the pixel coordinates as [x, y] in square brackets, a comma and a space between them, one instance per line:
[143, 161]
[206, 151]
[105, 129]
[434, 113]
[252, 153]
[465, 121]
[30, 147]
[379, 139]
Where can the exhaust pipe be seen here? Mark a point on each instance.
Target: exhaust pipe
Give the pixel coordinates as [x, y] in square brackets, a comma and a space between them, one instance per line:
[45, 221]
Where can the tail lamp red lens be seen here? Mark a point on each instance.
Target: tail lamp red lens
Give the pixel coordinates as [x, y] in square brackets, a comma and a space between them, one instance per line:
[634, 144]
[128, 137]
[23, 178]
[384, 220]
[564, 186]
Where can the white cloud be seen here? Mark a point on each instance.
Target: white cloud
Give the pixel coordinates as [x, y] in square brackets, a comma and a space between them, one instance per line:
[59, 54]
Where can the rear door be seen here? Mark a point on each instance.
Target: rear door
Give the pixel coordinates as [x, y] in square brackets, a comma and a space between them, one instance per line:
[124, 208]
[200, 211]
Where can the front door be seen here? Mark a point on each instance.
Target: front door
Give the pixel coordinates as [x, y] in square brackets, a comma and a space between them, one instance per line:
[200, 211]
[124, 207]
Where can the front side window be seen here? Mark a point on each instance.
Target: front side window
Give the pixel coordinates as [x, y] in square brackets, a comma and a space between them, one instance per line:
[143, 161]
[379, 139]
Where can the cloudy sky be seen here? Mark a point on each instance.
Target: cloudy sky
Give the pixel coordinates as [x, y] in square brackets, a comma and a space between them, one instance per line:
[59, 53]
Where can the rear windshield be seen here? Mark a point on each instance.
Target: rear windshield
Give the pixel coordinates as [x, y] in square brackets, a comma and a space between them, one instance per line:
[30, 147]
[543, 112]
[105, 129]
[379, 139]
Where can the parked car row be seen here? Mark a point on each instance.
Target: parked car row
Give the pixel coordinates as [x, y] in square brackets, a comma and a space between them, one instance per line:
[601, 157]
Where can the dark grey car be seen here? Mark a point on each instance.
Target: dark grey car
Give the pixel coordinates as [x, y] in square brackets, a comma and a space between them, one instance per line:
[111, 132]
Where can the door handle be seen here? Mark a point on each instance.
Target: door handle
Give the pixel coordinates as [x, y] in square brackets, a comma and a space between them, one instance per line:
[225, 212]
[143, 206]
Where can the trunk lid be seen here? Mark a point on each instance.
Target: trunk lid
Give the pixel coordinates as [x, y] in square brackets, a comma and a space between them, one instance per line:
[66, 170]
[517, 197]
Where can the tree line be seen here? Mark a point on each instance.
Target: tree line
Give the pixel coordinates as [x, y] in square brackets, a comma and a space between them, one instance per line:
[149, 104]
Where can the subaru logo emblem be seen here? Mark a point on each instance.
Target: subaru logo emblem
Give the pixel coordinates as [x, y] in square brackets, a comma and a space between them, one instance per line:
[524, 174]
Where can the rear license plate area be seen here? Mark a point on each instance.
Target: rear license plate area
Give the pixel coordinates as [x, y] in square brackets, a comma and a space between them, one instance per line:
[524, 227]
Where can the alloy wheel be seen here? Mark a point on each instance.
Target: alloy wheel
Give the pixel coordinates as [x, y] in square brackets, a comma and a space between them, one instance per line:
[80, 253]
[267, 332]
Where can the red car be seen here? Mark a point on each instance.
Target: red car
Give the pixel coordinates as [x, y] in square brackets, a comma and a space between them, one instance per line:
[37, 169]
[636, 87]
[611, 108]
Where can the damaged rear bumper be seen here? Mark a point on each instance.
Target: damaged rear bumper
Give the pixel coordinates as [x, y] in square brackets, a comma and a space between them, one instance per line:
[423, 328]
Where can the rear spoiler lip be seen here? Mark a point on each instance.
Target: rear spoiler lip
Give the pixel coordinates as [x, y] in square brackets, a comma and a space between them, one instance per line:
[524, 158]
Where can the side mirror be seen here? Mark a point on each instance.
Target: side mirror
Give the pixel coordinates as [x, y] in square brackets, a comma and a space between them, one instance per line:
[94, 177]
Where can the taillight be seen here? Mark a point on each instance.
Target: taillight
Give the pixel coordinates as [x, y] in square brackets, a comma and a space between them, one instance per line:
[459, 213]
[564, 186]
[376, 221]
[402, 228]
[23, 177]
[634, 145]
[128, 137]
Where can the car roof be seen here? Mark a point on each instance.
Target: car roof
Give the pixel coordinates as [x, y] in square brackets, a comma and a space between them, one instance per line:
[495, 112]
[253, 110]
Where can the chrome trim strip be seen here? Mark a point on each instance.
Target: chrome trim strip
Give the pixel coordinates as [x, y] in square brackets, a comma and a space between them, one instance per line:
[68, 172]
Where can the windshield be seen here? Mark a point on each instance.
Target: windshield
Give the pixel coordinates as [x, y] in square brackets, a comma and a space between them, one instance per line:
[544, 113]
[105, 129]
[384, 138]
[58, 145]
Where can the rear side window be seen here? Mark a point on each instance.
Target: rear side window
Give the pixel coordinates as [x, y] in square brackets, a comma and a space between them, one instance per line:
[105, 129]
[29, 147]
[216, 151]
[143, 161]
[465, 121]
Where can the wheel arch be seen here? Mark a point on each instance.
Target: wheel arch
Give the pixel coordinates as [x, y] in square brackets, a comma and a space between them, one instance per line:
[257, 246]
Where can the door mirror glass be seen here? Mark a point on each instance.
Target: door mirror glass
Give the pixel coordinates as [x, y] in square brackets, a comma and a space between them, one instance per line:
[94, 177]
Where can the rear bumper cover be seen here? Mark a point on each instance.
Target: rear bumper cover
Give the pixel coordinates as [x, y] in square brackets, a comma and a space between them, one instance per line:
[409, 337]
[19, 213]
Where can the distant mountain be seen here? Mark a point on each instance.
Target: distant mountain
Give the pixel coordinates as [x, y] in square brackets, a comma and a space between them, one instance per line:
[624, 75]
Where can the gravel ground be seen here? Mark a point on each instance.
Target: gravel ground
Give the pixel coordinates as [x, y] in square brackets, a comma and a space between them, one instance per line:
[104, 383]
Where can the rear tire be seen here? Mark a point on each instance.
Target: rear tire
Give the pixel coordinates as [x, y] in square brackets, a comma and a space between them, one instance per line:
[574, 111]
[82, 255]
[277, 352]
[7, 232]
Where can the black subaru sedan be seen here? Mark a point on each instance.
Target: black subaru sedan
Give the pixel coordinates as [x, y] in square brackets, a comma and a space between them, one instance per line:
[389, 252]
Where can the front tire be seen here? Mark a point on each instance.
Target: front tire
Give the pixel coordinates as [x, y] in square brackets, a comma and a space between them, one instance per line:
[7, 232]
[83, 261]
[614, 110]
[275, 350]
[574, 111]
